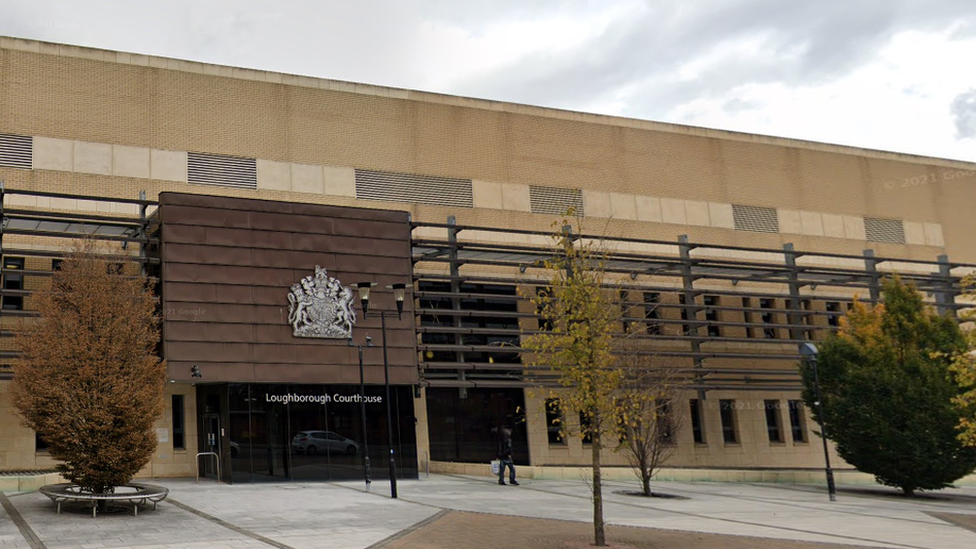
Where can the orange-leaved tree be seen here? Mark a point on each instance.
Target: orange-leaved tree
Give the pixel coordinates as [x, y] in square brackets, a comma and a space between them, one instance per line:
[87, 378]
[887, 392]
[964, 369]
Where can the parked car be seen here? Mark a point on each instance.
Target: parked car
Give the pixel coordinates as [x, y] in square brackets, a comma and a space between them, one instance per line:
[313, 442]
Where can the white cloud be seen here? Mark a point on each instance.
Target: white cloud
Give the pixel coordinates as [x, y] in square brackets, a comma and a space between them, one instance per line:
[900, 101]
[885, 74]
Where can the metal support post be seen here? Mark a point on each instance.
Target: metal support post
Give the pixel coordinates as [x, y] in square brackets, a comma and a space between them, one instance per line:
[690, 308]
[455, 267]
[362, 407]
[809, 352]
[795, 310]
[874, 280]
[389, 412]
[945, 298]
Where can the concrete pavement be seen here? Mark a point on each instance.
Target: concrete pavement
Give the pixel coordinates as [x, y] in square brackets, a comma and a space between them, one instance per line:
[343, 515]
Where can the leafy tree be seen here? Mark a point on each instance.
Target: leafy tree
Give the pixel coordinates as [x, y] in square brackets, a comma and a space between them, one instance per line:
[887, 392]
[578, 346]
[964, 368]
[87, 379]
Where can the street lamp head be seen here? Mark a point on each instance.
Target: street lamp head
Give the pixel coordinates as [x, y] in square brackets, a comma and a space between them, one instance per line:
[399, 289]
[364, 288]
[809, 351]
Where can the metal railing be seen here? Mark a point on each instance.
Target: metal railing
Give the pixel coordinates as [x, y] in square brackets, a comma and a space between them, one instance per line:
[216, 461]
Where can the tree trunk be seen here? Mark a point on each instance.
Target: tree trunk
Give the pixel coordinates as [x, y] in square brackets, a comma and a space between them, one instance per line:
[599, 537]
[645, 474]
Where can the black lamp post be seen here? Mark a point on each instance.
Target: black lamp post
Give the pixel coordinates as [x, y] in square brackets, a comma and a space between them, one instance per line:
[362, 408]
[809, 352]
[399, 290]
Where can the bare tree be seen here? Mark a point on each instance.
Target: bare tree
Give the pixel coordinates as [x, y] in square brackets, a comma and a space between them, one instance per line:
[647, 421]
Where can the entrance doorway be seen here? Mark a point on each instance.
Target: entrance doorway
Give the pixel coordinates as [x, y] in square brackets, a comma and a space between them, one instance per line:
[315, 432]
[212, 431]
[211, 443]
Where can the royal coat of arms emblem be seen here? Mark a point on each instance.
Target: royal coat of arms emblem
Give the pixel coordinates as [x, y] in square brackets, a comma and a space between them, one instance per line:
[320, 306]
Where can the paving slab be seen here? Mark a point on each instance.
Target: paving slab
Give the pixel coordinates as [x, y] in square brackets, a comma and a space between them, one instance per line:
[454, 509]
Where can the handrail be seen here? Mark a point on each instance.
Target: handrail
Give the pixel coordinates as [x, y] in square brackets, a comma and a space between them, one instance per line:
[216, 460]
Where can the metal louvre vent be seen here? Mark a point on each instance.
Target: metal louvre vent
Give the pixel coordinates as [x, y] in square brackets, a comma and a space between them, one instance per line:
[415, 189]
[884, 230]
[755, 218]
[16, 151]
[555, 200]
[222, 170]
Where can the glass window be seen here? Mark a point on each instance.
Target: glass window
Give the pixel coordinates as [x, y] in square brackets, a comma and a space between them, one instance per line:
[727, 413]
[40, 445]
[697, 427]
[652, 318]
[13, 281]
[767, 318]
[833, 307]
[773, 428]
[545, 324]
[685, 315]
[465, 429]
[625, 306]
[585, 424]
[665, 423]
[795, 408]
[179, 441]
[711, 315]
[554, 418]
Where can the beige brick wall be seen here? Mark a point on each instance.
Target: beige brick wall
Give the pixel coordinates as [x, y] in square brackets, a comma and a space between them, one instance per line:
[120, 112]
[17, 452]
[114, 124]
[752, 450]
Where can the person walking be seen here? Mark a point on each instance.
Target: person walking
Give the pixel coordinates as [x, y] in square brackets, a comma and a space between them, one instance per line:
[505, 457]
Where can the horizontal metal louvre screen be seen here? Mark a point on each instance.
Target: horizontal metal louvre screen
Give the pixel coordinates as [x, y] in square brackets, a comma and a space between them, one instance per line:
[884, 230]
[16, 151]
[222, 170]
[415, 189]
[755, 218]
[555, 200]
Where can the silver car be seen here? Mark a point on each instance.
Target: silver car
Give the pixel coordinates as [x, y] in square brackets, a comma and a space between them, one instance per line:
[313, 442]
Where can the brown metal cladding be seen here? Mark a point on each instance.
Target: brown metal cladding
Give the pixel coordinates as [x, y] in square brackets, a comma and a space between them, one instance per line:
[228, 265]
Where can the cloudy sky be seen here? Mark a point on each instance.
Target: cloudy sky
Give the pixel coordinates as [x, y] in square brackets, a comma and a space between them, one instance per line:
[896, 75]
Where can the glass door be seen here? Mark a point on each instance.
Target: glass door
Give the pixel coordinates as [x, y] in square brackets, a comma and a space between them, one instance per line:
[211, 443]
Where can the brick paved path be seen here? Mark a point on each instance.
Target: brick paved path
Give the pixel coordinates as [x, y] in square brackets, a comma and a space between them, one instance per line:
[453, 529]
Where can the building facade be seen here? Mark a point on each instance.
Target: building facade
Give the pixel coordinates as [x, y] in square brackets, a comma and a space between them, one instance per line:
[232, 185]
